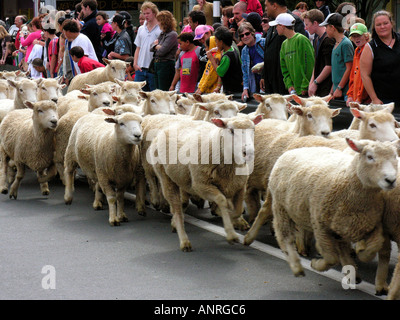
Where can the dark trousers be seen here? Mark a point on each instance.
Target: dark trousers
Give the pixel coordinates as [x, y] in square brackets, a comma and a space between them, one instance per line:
[164, 74]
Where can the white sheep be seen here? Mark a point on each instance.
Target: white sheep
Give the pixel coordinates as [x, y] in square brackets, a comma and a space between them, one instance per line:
[108, 155]
[335, 195]
[274, 106]
[49, 89]
[115, 69]
[4, 90]
[27, 138]
[26, 90]
[206, 172]
[157, 101]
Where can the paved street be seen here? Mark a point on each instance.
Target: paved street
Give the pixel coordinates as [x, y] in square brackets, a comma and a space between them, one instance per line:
[53, 251]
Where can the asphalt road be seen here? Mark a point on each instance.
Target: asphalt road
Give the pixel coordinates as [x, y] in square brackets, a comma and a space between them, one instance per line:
[58, 252]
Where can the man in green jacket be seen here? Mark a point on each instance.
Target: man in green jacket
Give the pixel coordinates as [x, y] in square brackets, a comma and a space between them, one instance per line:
[296, 56]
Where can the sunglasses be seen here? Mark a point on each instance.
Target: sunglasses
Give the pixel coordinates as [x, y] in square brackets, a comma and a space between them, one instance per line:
[264, 20]
[245, 34]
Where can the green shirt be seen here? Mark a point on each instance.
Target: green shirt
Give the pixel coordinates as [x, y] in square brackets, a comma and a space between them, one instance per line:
[297, 62]
[224, 63]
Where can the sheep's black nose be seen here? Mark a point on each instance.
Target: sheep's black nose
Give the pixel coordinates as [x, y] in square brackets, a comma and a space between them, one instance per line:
[54, 100]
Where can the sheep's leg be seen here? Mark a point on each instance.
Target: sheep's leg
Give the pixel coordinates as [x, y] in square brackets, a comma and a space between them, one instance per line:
[69, 174]
[253, 203]
[3, 172]
[44, 186]
[120, 205]
[263, 216]
[345, 252]
[140, 189]
[327, 247]
[111, 200]
[284, 232]
[185, 200]
[212, 194]
[154, 191]
[373, 244]
[238, 220]
[11, 171]
[19, 176]
[382, 271]
[394, 288]
[98, 197]
[50, 173]
[60, 170]
[303, 241]
[172, 195]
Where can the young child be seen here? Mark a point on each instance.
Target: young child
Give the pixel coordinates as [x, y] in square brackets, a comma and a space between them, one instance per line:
[360, 36]
[296, 55]
[130, 70]
[342, 55]
[229, 69]
[37, 64]
[188, 64]
[85, 64]
[107, 31]
[210, 81]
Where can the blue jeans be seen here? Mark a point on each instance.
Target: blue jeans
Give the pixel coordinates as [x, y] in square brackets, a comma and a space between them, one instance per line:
[145, 75]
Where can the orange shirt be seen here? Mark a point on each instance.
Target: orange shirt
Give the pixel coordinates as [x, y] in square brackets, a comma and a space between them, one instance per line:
[356, 88]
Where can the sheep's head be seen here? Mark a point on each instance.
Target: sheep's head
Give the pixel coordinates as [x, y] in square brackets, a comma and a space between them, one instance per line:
[49, 89]
[316, 119]
[4, 90]
[222, 109]
[376, 162]
[116, 69]
[379, 125]
[274, 106]
[26, 89]
[99, 96]
[127, 126]
[44, 113]
[158, 101]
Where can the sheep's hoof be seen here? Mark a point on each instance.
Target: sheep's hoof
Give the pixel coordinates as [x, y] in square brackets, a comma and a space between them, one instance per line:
[97, 207]
[300, 274]
[115, 223]
[45, 193]
[241, 224]
[382, 292]
[13, 196]
[186, 246]
[247, 240]
[67, 201]
[4, 191]
[142, 213]
[124, 219]
[233, 239]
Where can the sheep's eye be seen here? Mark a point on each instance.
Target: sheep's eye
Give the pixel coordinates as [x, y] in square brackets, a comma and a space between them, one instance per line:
[43, 88]
[121, 124]
[40, 111]
[94, 93]
[309, 115]
[20, 90]
[372, 125]
[370, 157]
[153, 101]
[217, 112]
[113, 68]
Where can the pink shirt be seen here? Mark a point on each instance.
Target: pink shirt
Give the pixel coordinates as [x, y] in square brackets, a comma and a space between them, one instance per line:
[28, 42]
[107, 28]
[190, 65]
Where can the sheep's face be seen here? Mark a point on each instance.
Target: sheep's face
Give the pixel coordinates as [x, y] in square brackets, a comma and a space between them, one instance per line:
[128, 128]
[225, 109]
[49, 89]
[377, 165]
[159, 101]
[44, 113]
[4, 91]
[100, 98]
[25, 89]
[117, 69]
[183, 106]
[273, 106]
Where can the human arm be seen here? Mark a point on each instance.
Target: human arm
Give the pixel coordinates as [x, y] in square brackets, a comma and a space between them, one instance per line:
[366, 62]
[135, 59]
[339, 93]
[175, 80]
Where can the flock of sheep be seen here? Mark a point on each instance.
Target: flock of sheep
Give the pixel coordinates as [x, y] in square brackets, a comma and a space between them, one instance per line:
[282, 163]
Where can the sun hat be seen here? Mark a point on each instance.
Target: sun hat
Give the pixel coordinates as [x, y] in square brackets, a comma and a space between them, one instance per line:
[284, 19]
[201, 30]
[334, 19]
[358, 28]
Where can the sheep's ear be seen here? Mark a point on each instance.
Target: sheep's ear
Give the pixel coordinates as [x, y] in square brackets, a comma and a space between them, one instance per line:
[62, 86]
[109, 112]
[171, 93]
[106, 61]
[258, 97]
[230, 97]
[39, 80]
[110, 120]
[389, 107]
[204, 107]
[119, 82]
[288, 97]
[299, 100]
[396, 124]
[218, 122]
[242, 106]
[143, 94]
[197, 97]
[12, 83]
[143, 83]
[85, 91]
[357, 113]
[83, 97]
[258, 118]
[335, 112]
[355, 105]
[355, 145]
[327, 98]
[396, 144]
[297, 109]
[29, 104]
[116, 98]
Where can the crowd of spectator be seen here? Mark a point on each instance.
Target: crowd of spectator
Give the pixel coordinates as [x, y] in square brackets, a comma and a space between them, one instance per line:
[307, 51]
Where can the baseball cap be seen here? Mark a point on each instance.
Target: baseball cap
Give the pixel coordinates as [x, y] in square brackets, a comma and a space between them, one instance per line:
[358, 28]
[254, 19]
[284, 19]
[334, 19]
[201, 30]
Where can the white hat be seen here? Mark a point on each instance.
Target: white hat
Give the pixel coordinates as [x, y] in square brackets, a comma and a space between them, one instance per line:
[284, 19]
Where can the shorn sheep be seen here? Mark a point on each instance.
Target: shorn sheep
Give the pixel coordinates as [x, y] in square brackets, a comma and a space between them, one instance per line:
[115, 69]
[335, 195]
[105, 148]
[27, 138]
[204, 170]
